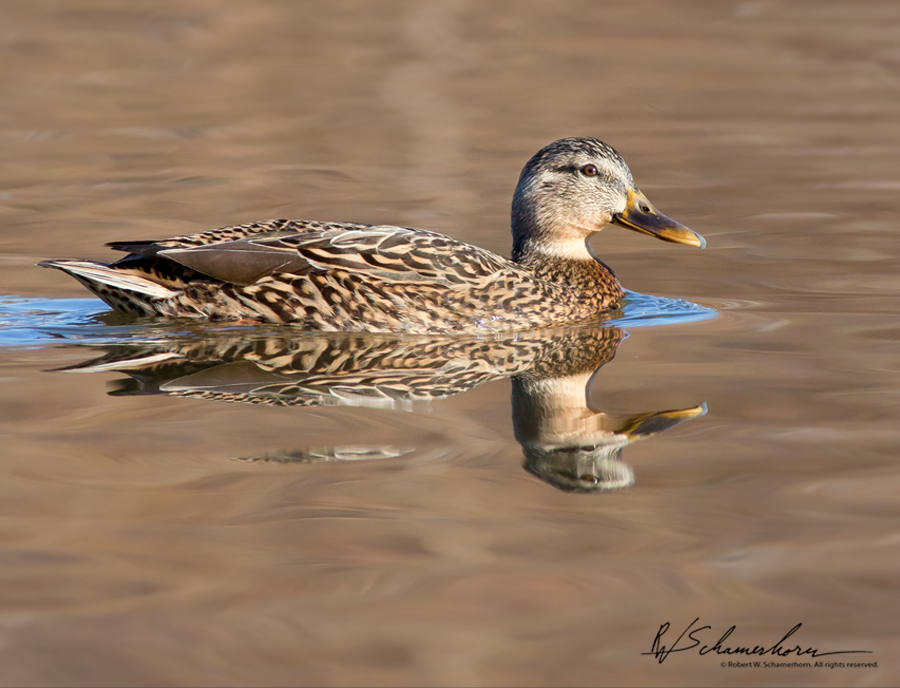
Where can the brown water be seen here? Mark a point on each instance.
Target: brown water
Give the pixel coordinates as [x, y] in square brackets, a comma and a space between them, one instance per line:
[149, 535]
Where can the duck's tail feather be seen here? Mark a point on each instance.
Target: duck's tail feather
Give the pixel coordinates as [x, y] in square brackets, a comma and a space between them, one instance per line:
[90, 272]
[119, 288]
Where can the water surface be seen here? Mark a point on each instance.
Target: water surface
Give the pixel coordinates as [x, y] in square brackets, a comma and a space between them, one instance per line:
[315, 532]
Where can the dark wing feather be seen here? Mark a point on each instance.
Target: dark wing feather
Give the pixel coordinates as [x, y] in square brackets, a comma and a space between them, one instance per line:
[237, 262]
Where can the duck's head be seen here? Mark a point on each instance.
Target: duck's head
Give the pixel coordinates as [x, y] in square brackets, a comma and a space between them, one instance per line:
[575, 187]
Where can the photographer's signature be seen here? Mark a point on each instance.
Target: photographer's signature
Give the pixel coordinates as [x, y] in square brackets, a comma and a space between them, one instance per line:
[779, 649]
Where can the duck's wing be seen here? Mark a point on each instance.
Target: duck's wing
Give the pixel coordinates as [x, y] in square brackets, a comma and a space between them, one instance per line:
[400, 254]
[382, 252]
[259, 230]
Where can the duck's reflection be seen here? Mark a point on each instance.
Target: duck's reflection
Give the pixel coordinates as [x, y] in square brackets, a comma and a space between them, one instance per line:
[573, 447]
[566, 443]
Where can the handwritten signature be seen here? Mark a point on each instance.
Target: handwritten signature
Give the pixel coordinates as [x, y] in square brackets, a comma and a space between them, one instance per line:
[661, 652]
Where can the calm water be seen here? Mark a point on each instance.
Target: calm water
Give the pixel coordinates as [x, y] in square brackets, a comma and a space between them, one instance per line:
[501, 525]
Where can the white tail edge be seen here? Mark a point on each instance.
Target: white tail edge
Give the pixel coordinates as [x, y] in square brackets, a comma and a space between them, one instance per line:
[97, 272]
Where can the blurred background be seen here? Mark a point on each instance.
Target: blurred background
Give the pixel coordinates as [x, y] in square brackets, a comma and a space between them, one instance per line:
[133, 550]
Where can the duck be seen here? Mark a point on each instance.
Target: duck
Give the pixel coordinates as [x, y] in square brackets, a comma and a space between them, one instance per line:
[349, 277]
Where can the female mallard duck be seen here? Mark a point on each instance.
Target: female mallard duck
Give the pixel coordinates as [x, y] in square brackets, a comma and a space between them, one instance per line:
[339, 276]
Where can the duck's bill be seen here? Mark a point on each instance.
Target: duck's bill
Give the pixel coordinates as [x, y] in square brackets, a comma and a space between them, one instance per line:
[641, 216]
[647, 424]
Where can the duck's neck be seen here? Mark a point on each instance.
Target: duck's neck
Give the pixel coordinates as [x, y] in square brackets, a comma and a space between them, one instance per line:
[553, 412]
[571, 263]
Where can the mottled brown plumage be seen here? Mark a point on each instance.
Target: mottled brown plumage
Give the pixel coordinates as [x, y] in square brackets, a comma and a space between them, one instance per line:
[350, 277]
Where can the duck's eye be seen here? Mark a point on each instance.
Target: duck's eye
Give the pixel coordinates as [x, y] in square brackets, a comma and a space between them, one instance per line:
[589, 171]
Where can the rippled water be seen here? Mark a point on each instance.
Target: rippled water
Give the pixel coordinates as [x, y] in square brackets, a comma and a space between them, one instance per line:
[187, 504]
